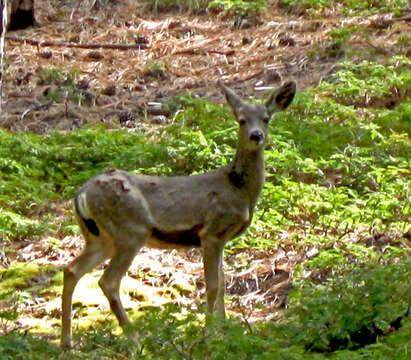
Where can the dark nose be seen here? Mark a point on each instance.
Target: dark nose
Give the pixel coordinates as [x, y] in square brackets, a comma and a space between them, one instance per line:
[257, 136]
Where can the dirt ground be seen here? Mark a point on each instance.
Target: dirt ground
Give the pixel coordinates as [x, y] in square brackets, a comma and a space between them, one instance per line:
[174, 53]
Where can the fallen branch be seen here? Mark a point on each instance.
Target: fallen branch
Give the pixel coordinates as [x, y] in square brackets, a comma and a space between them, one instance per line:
[36, 107]
[44, 43]
[203, 52]
[406, 18]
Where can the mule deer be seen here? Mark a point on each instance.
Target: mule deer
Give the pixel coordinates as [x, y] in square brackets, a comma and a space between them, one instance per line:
[119, 212]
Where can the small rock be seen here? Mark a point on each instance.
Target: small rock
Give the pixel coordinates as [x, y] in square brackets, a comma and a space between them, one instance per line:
[83, 84]
[68, 56]
[89, 98]
[75, 39]
[159, 120]
[109, 90]
[94, 56]
[273, 77]
[141, 39]
[246, 39]
[286, 40]
[139, 87]
[46, 54]
[126, 117]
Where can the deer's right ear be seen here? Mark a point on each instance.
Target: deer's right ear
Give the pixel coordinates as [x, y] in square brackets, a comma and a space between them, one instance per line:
[232, 98]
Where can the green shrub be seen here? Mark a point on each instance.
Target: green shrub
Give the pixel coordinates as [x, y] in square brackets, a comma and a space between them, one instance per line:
[61, 85]
[353, 310]
[239, 7]
[17, 227]
[362, 314]
[193, 6]
[347, 7]
[37, 169]
[20, 346]
[368, 83]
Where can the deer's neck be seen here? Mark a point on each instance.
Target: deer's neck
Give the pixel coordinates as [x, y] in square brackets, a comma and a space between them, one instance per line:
[247, 172]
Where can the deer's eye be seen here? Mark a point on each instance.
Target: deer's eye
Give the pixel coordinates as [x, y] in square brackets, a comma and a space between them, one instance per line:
[241, 122]
[266, 119]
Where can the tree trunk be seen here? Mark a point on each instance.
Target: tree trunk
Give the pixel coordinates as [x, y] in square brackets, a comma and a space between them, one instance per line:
[20, 14]
[3, 25]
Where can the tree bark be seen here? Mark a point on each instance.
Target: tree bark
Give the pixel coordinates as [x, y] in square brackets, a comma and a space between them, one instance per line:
[20, 14]
[3, 25]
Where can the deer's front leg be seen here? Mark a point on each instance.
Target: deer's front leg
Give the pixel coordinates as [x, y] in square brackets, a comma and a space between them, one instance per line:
[214, 275]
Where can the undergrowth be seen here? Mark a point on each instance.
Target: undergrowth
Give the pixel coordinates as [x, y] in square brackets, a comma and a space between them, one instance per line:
[193, 6]
[228, 8]
[338, 182]
[363, 315]
[346, 7]
[334, 165]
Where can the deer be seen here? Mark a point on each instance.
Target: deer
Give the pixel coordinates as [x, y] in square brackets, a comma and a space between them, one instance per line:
[120, 212]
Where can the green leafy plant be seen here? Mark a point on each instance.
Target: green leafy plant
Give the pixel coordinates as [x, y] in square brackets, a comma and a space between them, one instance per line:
[193, 6]
[61, 85]
[25, 346]
[346, 7]
[8, 312]
[361, 314]
[239, 7]
[351, 311]
[156, 70]
[17, 227]
[57, 76]
[370, 84]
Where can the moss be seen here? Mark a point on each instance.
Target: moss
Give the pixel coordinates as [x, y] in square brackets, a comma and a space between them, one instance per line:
[18, 276]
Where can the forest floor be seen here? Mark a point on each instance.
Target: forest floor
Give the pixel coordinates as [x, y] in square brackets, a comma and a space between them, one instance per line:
[180, 52]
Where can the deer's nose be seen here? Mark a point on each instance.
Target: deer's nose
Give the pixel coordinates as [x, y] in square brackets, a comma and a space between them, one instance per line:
[257, 136]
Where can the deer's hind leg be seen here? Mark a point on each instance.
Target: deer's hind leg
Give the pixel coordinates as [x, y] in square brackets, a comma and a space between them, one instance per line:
[128, 221]
[95, 252]
[110, 284]
[127, 245]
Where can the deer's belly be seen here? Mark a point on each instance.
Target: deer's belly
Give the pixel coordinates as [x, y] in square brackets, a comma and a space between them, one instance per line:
[175, 239]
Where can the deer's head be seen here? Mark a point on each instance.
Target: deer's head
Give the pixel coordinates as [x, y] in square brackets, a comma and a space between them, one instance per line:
[254, 118]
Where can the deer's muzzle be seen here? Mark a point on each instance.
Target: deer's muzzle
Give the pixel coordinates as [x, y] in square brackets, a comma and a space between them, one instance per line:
[257, 136]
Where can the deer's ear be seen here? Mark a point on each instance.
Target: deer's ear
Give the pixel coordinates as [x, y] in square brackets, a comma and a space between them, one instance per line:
[281, 98]
[232, 98]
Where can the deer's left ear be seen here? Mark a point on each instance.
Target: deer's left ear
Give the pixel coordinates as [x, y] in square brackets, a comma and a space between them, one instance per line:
[281, 98]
